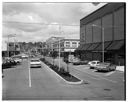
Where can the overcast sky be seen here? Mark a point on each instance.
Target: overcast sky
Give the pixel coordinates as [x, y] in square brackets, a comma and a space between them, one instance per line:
[29, 20]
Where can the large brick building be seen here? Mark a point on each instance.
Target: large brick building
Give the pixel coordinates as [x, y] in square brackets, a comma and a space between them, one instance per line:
[104, 26]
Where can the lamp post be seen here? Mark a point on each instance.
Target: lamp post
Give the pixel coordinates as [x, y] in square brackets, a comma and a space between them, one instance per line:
[102, 40]
[9, 36]
[59, 46]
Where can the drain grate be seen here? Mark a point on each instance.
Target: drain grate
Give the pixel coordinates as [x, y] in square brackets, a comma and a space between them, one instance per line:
[85, 82]
[85, 98]
[107, 89]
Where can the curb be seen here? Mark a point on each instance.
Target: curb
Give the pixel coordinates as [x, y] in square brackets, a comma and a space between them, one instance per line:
[74, 83]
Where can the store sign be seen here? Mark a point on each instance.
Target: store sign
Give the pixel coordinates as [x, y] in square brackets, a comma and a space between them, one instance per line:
[70, 58]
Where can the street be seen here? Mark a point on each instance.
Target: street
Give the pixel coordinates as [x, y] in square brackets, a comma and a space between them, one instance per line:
[25, 83]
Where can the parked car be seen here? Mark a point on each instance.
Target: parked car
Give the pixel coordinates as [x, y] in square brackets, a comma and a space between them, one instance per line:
[105, 67]
[17, 60]
[35, 63]
[8, 62]
[84, 62]
[78, 62]
[93, 64]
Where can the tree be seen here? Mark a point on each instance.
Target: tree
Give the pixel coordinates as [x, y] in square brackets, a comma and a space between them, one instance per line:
[44, 52]
[54, 54]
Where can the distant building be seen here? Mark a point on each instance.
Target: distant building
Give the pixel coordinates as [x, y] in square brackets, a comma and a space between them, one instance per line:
[66, 45]
[50, 41]
[109, 20]
[12, 48]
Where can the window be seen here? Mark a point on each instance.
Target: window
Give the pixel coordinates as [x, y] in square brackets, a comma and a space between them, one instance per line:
[67, 44]
[74, 44]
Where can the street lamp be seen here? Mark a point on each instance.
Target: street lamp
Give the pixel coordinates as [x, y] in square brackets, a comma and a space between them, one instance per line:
[9, 36]
[102, 39]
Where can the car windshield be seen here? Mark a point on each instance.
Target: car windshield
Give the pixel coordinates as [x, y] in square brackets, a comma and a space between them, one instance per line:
[105, 63]
[93, 62]
[98, 62]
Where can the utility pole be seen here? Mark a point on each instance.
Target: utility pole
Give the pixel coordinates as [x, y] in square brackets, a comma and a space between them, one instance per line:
[8, 46]
[102, 28]
[102, 44]
[9, 36]
[59, 45]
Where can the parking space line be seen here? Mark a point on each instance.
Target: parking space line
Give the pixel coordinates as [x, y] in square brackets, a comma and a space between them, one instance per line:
[88, 75]
[99, 77]
[108, 80]
[109, 73]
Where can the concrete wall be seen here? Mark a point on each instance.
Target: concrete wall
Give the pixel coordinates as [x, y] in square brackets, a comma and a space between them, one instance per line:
[113, 24]
[119, 24]
[97, 37]
[107, 23]
[88, 35]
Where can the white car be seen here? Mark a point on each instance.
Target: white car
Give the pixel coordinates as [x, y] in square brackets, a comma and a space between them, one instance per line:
[93, 64]
[35, 63]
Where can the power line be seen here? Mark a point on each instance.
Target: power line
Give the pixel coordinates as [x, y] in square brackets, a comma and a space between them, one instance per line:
[14, 22]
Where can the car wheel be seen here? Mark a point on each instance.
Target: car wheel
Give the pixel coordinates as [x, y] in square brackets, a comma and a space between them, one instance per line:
[91, 67]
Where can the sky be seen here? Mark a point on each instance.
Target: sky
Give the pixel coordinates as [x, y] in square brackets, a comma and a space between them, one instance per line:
[33, 22]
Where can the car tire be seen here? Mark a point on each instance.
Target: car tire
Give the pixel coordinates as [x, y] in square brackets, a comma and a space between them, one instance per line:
[91, 67]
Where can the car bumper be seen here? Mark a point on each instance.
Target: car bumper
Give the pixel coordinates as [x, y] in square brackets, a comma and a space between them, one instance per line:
[35, 65]
[102, 69]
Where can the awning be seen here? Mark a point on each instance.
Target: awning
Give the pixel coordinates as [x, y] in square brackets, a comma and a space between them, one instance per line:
[80, 47]
[116, 45]
[106, 44]
[93, 46]
[86, 46]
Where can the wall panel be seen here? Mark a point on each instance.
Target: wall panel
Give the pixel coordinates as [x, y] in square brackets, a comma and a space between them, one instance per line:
[119, 24]
[82, 33]
[107, 23]
[89, 33]
[97, 31]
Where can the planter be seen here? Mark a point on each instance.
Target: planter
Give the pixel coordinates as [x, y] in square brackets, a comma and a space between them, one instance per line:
[62, 73]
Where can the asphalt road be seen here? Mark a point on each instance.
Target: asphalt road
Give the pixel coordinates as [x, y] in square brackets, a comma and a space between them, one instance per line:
[23, 83]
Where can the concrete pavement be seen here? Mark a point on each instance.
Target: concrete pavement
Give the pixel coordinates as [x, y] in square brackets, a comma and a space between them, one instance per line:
[114, 81]
[46, 85]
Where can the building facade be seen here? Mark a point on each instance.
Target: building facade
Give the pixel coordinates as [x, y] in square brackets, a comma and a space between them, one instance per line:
[66, 45]
[50, 41]
[104, 31]
[12, 48]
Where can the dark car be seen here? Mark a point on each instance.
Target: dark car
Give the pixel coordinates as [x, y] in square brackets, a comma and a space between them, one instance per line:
[8, 62]
[79, 62]
[105, 67]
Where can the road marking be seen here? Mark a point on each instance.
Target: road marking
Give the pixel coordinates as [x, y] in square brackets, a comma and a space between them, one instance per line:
[108, 80]
[99, 77]
[109, 73]
[88, 75]
[29, 73]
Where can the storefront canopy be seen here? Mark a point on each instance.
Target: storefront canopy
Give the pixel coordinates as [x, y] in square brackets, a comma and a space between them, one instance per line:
[93, 46]
[79, 48]
[106, 44]
[116, 45]
[86, 46]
